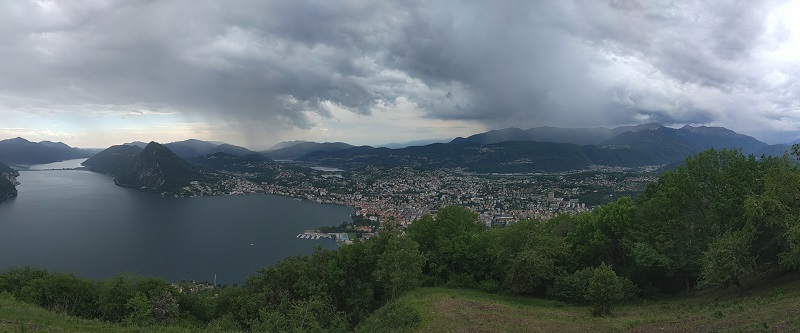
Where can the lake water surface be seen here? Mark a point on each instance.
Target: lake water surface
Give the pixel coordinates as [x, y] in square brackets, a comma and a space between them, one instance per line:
[79, 221]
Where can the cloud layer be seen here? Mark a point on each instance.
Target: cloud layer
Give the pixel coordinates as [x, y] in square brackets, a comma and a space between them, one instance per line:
[268, 67]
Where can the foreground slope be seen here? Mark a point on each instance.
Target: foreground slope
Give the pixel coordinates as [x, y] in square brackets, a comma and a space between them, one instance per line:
[16, 316]
[772, 308]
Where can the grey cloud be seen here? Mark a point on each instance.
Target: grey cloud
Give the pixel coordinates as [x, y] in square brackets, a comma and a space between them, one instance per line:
[270, 64]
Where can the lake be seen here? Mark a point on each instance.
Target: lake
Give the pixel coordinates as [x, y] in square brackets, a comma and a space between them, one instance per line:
[79, 221]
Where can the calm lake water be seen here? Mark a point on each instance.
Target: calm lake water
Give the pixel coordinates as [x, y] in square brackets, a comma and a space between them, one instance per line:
[79, 221]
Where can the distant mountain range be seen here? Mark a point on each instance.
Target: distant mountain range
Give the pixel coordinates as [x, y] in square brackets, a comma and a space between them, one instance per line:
[578, 136]
[397, 145]
[553, 149]
[505, 150]
[299, 149]
[21, 151]
[194, 148]
[284, 144]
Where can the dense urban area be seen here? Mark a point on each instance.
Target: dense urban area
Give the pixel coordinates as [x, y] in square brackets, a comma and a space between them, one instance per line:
[403, 194]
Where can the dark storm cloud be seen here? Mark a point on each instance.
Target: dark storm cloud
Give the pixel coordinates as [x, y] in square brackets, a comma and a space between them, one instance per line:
[273, 64]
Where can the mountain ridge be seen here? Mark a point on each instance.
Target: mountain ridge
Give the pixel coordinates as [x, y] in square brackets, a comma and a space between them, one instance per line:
[578, 136]
[21, 151]
[634, 146]
[303, 148]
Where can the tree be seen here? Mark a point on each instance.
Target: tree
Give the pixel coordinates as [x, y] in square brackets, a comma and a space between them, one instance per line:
[140, 312]
[400, 266]
[775, 214]
[114, 295]
[605, 288]
[604, 234]
[686, 210]
[164, 307]
[727, 259]
[526, 256]
[446, 241]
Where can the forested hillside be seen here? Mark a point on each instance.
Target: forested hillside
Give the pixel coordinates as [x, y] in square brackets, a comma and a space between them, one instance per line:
[720, 219]
[8, 182]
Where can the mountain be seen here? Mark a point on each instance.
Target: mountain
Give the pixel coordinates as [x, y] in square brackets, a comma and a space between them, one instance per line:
[666, 143]
[304, 148]
[230, 162]
[19, 150]
[578, 136]
[139, 144]
[190, 148]
[702, 136]
[113, 160]
[775, 150]
[230, 149]
[648, 147]
[720, 137]
[504, 157]
[193, 148]
[284, 144]
[8, 182]
[157, 168]
[395, 145]
[644, 145]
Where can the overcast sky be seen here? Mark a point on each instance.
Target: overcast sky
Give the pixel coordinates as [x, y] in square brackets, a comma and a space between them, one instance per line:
[95, 73]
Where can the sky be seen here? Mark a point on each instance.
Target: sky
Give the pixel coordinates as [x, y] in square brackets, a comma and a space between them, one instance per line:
[93, 73]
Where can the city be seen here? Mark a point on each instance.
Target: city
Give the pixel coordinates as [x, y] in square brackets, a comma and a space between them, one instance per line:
[403, 194]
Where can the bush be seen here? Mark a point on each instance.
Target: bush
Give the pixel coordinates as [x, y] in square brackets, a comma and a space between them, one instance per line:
[460, 281]
[15, 278]
[61, 292]
[164, 307]
[394, 317]
[604, 290]
[489, 286]
[139, 311]
[571, 288]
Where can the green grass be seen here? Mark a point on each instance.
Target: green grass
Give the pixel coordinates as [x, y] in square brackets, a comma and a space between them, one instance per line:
[16, 316]
[774, 307]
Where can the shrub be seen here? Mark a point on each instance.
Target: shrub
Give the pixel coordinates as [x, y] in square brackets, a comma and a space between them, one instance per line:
[604, 290]
[394, 317]
[571, 288]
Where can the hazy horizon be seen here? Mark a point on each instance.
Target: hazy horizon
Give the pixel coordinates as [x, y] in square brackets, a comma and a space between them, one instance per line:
[421, 141]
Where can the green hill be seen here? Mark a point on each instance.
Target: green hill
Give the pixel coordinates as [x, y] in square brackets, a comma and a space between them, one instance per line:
[158, 169]
[772, 308]
[113, 160]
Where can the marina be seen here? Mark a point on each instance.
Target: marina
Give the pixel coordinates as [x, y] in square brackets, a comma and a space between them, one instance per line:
[339, 237]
